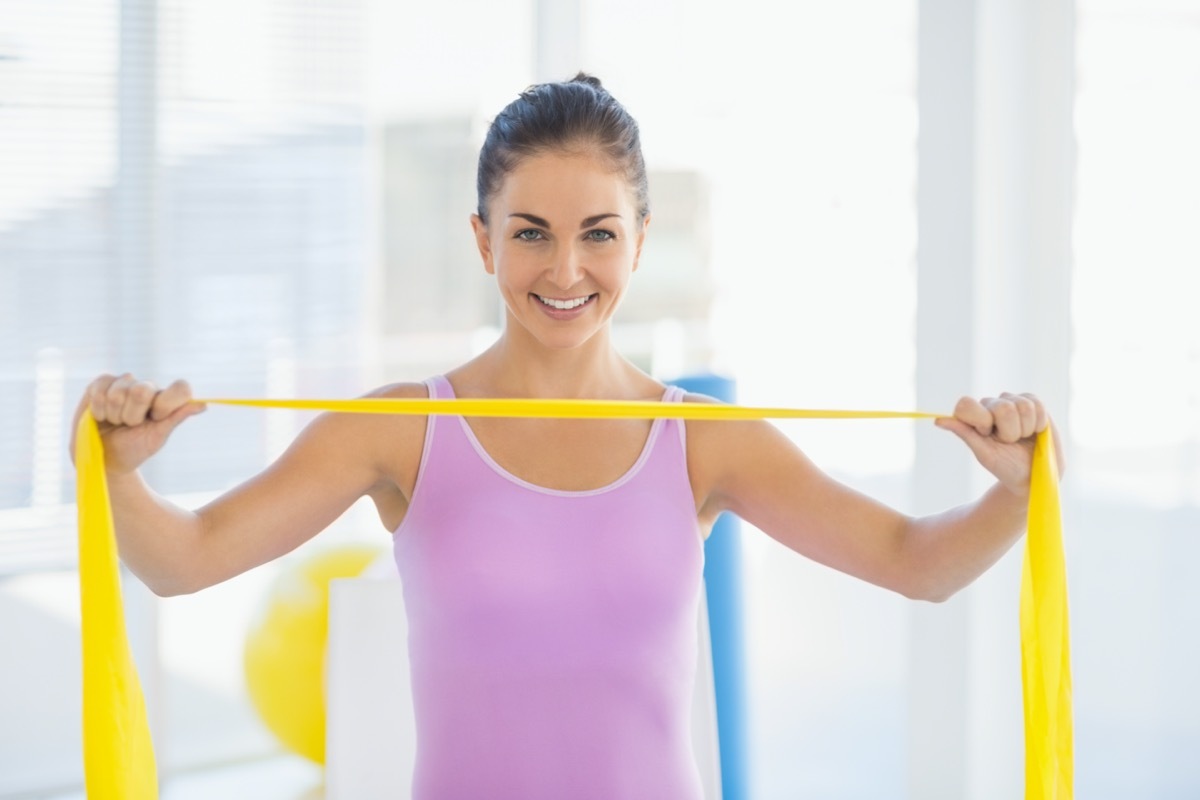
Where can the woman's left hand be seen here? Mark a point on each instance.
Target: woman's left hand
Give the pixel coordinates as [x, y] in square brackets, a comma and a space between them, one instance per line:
[1001, 433]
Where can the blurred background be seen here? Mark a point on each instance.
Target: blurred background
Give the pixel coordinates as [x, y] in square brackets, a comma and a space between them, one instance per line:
[871, 203]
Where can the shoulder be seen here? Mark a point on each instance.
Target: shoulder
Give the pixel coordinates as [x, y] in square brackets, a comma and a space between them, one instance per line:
[350, 421]
[724, 457]
[389, 444]
[403, 426]
[374, 438]
[714, 437]
[400, 390]
[708, 452]
[694, 397]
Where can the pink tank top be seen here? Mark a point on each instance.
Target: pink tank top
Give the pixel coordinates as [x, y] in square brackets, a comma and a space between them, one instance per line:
[552, 634]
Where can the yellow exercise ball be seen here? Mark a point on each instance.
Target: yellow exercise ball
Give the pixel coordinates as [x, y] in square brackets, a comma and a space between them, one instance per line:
[284, 656]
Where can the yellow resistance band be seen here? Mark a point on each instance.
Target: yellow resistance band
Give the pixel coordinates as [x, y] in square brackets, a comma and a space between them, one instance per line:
[117, 751]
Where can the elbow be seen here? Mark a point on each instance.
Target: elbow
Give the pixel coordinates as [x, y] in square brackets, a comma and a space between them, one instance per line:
[184, 569]
[940, 596]
[921, 572]
[165, 587]
[169, 589]
[929, 589]
[181, 585]
[169, 585]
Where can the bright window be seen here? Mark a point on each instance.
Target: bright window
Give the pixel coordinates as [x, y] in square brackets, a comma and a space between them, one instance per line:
[1135, 387]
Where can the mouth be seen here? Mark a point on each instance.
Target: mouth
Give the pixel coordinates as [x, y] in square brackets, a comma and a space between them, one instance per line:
[565, 304]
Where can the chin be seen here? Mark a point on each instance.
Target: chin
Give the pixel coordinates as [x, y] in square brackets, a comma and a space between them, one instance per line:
[564, 339]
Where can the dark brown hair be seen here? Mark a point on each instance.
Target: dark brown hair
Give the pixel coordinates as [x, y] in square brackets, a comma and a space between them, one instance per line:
[568, 116]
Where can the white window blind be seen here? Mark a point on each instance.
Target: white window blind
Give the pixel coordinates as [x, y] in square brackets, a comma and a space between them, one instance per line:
[58, 128]
[182, 194]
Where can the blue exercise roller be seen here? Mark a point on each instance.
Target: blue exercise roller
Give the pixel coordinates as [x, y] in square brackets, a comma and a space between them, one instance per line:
[723, 582]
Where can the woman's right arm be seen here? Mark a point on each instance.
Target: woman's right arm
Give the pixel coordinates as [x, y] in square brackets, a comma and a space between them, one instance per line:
[332, 463]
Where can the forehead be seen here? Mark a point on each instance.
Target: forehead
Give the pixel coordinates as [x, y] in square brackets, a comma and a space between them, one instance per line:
[565, 185]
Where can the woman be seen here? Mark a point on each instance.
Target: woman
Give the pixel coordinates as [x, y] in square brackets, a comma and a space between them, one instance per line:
[552, 568]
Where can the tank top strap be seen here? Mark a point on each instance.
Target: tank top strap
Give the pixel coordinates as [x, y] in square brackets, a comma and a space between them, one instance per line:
[672, 430]
[439, 388]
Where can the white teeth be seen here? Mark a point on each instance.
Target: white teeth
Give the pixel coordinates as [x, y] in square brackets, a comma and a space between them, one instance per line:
[564, 305]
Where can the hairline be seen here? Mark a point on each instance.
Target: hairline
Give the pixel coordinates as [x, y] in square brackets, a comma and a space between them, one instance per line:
[580, 146]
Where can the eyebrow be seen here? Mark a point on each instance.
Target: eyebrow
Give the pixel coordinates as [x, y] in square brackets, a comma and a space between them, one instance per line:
[587, 223]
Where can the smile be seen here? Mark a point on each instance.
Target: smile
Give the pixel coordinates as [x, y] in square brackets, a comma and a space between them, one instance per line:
[564, 305]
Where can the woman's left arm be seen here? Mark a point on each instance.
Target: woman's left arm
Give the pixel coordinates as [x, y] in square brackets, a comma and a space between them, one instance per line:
[753, 470]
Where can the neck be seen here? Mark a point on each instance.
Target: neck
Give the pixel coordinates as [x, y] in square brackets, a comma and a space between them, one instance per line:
[519, 366]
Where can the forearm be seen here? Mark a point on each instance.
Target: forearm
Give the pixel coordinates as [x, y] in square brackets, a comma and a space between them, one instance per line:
[157, 540]
[948, 551]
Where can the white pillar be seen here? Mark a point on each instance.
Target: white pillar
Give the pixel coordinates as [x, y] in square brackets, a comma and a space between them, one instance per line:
[995, 180]
[937, 683]
[1025, 156]
[1025, 178]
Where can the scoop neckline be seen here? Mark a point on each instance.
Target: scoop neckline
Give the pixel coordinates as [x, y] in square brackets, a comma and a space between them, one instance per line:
[628, 475]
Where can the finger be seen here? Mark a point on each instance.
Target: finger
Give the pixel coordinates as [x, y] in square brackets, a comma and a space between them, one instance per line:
[85, 404]
[968, 433]
[97, 395]
[1043, 418]
[113, 403]
[171, 399]
[1026, 413]
[138, 396]
[1007, 420]
[180, 414]
[974, 413]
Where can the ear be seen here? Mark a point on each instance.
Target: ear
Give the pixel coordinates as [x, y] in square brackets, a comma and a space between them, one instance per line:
[641, 239]
[483, 243]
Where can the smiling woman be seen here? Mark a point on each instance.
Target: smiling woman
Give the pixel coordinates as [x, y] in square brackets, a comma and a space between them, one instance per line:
[552, 567]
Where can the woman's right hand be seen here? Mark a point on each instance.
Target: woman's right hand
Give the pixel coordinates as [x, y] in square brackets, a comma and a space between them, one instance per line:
[134, 417]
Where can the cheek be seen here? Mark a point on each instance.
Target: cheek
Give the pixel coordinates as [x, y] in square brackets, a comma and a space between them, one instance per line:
[620, 262]
[515, 266]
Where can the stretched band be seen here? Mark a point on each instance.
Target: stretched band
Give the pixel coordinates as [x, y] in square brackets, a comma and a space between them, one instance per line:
[118, 752]
[565, 409]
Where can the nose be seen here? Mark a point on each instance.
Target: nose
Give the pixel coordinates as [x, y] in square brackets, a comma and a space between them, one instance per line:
[567, 269]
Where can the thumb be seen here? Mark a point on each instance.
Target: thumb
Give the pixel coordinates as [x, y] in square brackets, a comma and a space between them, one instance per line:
[177, 416]
[973, 439]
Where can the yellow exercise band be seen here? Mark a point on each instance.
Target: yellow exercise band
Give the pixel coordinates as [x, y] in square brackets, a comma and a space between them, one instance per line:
[569, 409]
[118, 752]
[1045, 637]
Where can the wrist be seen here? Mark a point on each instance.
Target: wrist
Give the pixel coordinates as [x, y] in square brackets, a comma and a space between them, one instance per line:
[123, 479]
[1015, 501]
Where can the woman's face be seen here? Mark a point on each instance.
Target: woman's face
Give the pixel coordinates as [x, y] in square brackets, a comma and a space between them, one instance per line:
[563, 239]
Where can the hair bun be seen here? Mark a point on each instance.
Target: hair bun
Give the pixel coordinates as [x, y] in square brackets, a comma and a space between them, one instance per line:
[590, 80]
